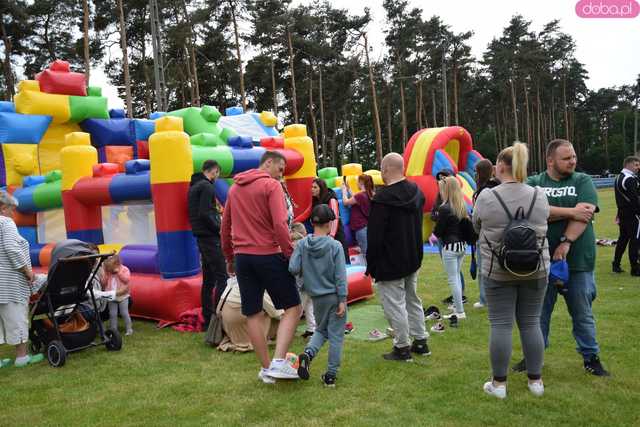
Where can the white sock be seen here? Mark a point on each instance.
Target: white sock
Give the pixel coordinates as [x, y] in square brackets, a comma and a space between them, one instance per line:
[277, 361]
[22, 360]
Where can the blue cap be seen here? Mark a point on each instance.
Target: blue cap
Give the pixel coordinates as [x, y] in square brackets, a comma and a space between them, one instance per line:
[559, 272]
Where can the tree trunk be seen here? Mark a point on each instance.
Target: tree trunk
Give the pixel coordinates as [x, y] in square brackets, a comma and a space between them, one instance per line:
[515, 110]
[425, 116]
[564, 103]
[237, 37]
[418, 105]
[454, 73]
[552, 133]
[273, 87]
[125, 61]
[624, 133]
[192, 86]
[145, 68]
[541, 157]
[333, 139]
[527, 116]
[403, 116]
[496, 133]
[293, 79]
[323, 138]
[354, 151]
[85, 28]
[8, 69]
[433, 103]
[192, 63]
[374, 100]
[312, 114]
[389, 124]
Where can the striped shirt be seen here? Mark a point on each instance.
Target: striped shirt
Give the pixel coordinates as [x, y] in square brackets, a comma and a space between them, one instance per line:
[14, 255]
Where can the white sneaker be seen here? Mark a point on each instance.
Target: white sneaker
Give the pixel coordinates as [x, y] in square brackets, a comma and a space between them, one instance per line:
[499, 391]
[283, 371]
[537, 388]
[478, 305]
[264, 376]
[458, 315]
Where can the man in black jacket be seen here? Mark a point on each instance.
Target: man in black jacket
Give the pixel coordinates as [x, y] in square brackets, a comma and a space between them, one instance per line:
[205, 223]
[394, 256]
[627, 192]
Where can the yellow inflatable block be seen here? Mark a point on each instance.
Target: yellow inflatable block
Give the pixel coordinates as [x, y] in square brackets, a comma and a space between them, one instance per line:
[52, 142]
[110, 247]
[291, 131]
[20, 160]
[415, 166]
[268, 119]
[376, 175]
[352, 182]
[77, 162]
[304, 146]
[33, 85]
[169, 123]
[467, 190]
[453, 149]
[170, 156]
[47, 104]
[77, 138]
[338, 181]
[352, 169]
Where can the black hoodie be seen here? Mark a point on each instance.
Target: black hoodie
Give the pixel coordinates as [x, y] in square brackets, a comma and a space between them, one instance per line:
[203, 214]
[394, 232]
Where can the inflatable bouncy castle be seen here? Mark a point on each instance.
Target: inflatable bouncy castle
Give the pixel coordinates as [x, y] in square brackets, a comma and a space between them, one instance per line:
[82, 171]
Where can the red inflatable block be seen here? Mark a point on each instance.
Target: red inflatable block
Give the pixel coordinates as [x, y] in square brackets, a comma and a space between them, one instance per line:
[105, 169]
[359, 287]
[79, 216]
[143, 149]
[171, 206]
[93, 191]
[25, 220]
[45, 254]
[429, 187]
[270, 142]
[60, 80]
[163, 300]
[118, 155]
[300, 190]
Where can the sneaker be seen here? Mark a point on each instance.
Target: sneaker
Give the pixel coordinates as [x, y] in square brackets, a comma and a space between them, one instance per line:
[453, 321]
[448, 300]
[348, 328]
[434, 316]
[478, 305]
[399, 354]
[635, 271]
[499, 391]
[429, 310]
[377, 335]
[420, 347]
[5, 362]
[32, 358]
[391, 332]
[593, 366]
[438, 328]
[464, 299]
[263, 375]
[283, 370]
[617, 269]
[457, 315]
[329, 380]
[129, 332]
[304, 363]
[521, 366]
[536, 388]
[307, 334]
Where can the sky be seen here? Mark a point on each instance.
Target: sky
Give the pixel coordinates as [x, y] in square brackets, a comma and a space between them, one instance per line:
[609, 48]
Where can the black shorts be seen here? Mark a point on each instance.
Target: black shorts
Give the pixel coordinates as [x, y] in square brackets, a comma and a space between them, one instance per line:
[259, 273]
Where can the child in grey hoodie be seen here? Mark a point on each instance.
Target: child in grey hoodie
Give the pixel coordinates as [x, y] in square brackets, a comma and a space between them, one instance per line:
[320, 260]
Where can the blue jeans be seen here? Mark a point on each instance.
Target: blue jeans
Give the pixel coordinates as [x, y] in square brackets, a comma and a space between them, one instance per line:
[328, 327]
[579, 298]
[461, 275]
[453, 264]
[361, 238]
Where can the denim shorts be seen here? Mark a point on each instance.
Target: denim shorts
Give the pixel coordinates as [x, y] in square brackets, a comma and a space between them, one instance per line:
[259, 273]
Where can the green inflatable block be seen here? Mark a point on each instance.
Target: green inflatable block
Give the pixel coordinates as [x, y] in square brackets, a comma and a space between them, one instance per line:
[94, 91]
[222, 155]
[48, 195]
[88, 107]
[194, 122]
[226, 134]
[210, 114]
[326, 173]
[53, 176]
[207, 140]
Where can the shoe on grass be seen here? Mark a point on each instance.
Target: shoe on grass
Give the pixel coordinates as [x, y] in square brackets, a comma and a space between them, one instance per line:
[420, 347]
[594, 367]
[499, 391]
[329, 380]
[263, 375]
[282, 370]
[304, 363]
[5, 362]
[377, 335]
[400, 354]
[456, 315]
[521, 366]
[31, 359]
[438, 328]
[536, 388]
[448, 300]
[616, 268]
[478, 305]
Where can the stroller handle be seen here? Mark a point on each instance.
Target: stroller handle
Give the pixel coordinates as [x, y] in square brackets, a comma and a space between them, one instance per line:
[86, 257]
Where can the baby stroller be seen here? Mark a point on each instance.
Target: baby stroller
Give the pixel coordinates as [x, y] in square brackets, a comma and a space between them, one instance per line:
[66, 316]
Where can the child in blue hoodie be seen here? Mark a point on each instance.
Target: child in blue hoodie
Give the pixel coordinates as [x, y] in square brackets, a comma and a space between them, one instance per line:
[320, 260]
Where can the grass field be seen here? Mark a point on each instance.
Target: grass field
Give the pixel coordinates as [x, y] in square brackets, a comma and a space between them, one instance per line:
[162, 377]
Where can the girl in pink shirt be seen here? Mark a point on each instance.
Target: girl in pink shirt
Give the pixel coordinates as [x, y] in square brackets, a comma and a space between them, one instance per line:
[116, 277]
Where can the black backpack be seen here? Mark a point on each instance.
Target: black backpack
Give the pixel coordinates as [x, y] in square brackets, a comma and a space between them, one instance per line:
[519, 252]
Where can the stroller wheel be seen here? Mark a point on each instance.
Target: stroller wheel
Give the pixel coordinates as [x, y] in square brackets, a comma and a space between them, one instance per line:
[56, 354]
[114, 340]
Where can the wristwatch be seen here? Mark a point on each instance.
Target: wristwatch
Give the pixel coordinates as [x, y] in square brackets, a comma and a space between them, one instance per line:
[565, 239]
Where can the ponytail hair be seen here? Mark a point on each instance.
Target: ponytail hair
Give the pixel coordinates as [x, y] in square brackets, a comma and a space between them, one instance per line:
[367, 183]
[516, 157]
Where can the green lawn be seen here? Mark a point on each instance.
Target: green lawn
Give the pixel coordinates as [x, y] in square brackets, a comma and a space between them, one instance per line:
[162, 377]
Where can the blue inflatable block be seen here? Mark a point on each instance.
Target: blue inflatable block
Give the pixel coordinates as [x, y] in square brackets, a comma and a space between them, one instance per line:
[24, 195]
[30, 234]
[157, 115]
[246, 158]
[270, 131]
[125, 188]
[469, 179]
[178, 254]
[240, 141]
[106, 132]
[142, 129]
[34, 254]
[233, 111]
[7, 107]
[30, 181]
[21, 128]
[441, 161]
[133, 167]
[222, 189]
[92, 236]
[472, 159]
[117, 113]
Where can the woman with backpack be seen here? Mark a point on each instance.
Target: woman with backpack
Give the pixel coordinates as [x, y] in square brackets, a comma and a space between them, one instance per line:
[511, 220]
[451, 231]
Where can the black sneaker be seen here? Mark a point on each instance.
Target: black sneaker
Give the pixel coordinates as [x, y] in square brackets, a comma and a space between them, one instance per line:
[448, 300]
[617, 269]
[635, 270]
[521, 366]
[593, 366]
[464, 299]
[328, 379]
[306, 334]
[420, 347]
[304, 363]
[453, 321]
[400, 354]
